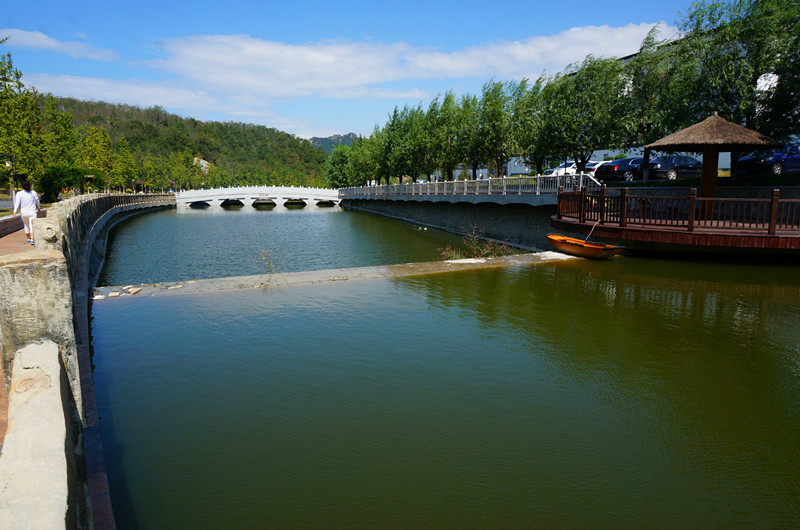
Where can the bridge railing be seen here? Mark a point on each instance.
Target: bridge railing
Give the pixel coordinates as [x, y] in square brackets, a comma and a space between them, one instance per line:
[256, 191]
[527, 185]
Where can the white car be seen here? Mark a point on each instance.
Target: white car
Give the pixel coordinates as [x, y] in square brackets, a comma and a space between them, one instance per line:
[568, 168]
[592, 165]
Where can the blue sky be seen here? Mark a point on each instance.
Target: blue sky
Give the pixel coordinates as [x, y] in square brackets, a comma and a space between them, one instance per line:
[309, 68]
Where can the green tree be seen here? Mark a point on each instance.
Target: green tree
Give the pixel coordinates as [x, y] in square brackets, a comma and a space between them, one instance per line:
[61, 140]
[336, 166]
[530, 125]
[745, 61]
[495, 123]
[587, 103]
[446, 135]
[95, 150]
[470, 146]
[21, 124]
[123, 170]
[656, 98]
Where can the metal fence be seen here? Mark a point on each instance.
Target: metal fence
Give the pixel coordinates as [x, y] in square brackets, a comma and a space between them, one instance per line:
[547, 184]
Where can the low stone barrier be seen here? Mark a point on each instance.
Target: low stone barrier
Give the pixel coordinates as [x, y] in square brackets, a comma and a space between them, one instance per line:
[11, 224]
[44, 299]
[34, 485]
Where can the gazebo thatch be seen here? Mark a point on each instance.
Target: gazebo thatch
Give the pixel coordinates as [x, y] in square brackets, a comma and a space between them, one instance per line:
[712, 136]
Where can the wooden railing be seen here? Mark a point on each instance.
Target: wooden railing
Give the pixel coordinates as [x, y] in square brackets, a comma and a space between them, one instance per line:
[689, 213]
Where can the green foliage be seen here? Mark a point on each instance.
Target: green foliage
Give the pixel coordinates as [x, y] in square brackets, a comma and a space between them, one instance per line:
[475, 245]
[336, 173]
[737, 57]
[742, 59]
[589, 103]
[56, 178]
[21, 123]
[241, 153]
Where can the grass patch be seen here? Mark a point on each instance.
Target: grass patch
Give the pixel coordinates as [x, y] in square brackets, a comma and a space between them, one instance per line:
[476, 245]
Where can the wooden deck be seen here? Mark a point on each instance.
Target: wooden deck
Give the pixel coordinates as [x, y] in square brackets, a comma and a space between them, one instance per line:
[685, 224]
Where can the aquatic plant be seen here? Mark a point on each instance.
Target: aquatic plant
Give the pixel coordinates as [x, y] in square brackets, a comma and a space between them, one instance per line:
[476, 245]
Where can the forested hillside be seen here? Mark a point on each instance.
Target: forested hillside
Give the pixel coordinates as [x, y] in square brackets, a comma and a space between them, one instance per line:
[239, 153]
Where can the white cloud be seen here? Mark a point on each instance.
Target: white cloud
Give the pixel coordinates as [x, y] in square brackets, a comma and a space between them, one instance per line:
[238, 77]
[39, 41]
[337, 69]
[133, 92]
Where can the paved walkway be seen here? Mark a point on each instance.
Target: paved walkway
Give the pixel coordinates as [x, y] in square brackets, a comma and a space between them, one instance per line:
[14, 242]
[10, 244]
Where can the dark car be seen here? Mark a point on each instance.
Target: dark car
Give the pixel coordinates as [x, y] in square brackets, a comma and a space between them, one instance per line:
[775, 160]
[623, 169]
[675, 166]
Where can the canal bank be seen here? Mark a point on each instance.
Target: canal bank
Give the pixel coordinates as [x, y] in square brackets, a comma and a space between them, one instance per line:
[519, 225]
[45, 348]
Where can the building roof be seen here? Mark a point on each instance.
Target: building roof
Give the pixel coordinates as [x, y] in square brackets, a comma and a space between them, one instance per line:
[716, 132]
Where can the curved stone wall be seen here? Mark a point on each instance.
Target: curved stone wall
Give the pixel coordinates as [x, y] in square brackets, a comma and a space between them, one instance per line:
[44, 301]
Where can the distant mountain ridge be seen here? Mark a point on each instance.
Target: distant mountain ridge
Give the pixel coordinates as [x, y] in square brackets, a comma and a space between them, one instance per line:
[327, 144]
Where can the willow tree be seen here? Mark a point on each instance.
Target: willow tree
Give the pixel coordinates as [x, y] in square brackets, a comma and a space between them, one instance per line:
[446, 135]
[470, 147]
[496, 124]
[588, 107]
[744, 53]
[530, 125]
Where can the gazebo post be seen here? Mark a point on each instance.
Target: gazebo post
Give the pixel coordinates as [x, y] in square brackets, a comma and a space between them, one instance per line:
[708, 179]
[735, 164]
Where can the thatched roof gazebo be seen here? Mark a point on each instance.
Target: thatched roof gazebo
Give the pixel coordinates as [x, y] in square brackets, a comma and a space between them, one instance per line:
[710, 137]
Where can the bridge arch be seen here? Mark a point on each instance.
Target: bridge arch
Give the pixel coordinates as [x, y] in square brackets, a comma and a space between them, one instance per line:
[259, 196]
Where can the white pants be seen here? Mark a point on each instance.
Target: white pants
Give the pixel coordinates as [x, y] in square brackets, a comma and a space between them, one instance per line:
[26, 222]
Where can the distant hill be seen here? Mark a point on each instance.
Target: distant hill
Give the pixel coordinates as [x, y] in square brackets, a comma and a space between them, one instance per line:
[327, 144]
[246, 153]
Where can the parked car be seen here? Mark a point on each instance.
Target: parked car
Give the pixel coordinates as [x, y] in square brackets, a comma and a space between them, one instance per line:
[626, 169]
[567, 168]
[675, 166]
[592, 165]
[775, 160]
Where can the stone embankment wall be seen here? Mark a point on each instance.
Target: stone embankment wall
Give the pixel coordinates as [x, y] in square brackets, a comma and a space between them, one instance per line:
[519, 225]
[44, 309]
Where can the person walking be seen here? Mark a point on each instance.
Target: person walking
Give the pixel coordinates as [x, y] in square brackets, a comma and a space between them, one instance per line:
[27, 202]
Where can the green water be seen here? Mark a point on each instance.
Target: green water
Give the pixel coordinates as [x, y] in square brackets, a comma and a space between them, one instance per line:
[634, 393]
[186, 244]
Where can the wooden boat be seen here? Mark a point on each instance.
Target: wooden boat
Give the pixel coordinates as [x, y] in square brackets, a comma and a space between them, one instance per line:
[582, 248]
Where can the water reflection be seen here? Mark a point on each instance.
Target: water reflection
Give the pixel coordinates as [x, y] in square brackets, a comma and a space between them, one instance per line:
[187, 244]
[630, 393]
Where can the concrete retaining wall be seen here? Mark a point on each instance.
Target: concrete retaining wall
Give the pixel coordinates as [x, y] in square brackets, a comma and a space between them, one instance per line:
[44, 300]
[519, 225]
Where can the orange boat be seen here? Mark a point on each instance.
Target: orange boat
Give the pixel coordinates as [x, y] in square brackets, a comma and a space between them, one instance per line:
[582, 248]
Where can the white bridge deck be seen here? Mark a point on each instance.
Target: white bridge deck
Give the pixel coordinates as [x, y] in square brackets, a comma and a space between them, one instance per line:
[248, 195]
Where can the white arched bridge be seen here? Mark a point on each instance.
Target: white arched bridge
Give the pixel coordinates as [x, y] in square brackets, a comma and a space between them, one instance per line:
[256, 196]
